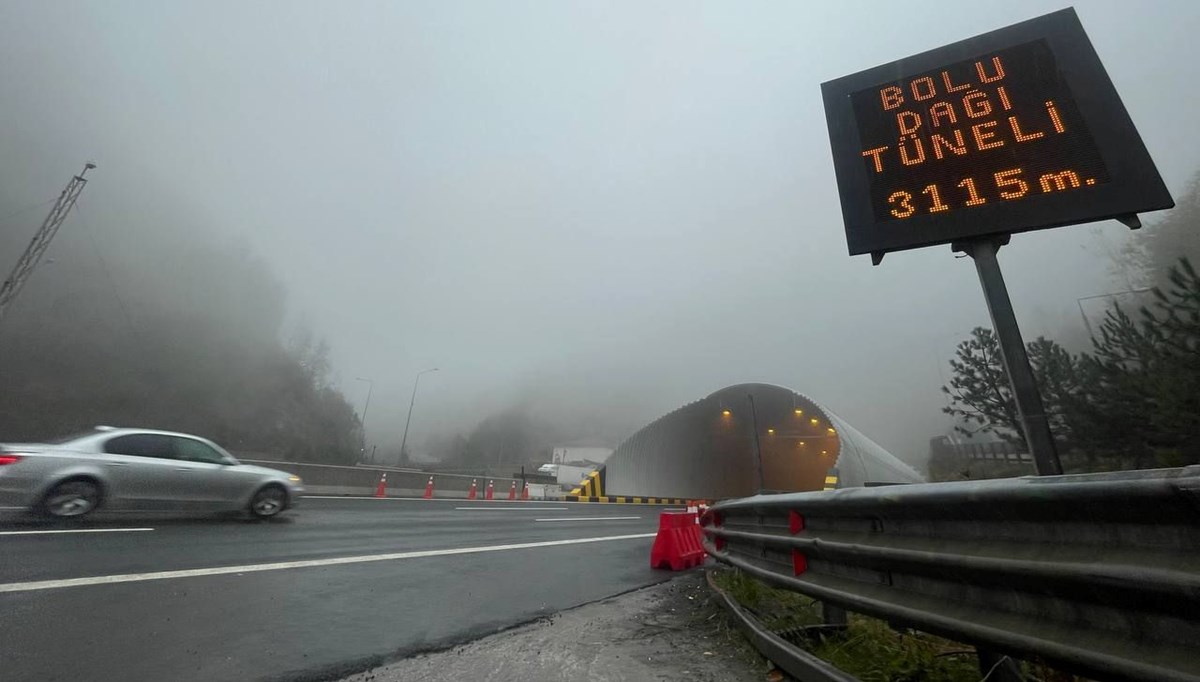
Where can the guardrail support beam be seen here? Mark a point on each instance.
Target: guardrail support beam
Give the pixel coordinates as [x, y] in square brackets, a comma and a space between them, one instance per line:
[997, 667]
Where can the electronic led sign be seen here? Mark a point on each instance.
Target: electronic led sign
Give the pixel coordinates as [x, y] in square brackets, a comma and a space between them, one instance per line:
[1018, 129]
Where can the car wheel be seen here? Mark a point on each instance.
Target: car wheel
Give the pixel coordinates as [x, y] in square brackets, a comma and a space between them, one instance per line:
[268, 502]
[71, 499]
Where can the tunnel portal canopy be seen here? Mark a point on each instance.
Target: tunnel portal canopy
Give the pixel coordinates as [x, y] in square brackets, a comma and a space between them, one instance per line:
[705, 450]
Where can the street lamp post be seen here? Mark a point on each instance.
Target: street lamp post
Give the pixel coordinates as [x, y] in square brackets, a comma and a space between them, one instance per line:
[363, 419]
[757, 445]
[1079, 302]
[411, 401]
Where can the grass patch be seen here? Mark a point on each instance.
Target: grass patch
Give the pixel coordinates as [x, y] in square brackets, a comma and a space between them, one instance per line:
[869, 649]
[875, 652]
[777, 609]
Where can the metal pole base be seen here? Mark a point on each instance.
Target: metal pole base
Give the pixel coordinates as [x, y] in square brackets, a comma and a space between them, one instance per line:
[1012, 351]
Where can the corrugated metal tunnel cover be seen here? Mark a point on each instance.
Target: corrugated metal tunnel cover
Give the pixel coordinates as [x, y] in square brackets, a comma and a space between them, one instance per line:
[705, 450]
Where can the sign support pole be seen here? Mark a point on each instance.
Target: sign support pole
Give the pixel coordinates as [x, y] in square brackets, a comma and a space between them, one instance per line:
[1012, 351]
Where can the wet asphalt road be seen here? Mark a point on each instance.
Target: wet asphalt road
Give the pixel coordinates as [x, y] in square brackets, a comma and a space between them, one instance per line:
[230, 611]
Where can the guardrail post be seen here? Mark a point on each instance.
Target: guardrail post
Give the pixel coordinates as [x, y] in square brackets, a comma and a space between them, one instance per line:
[996, 667]
[834, 615]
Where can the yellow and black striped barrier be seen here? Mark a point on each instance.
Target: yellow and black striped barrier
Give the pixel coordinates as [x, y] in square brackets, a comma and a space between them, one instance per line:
[592, 486]
[624, 499]
[831, 479]
[591, 489]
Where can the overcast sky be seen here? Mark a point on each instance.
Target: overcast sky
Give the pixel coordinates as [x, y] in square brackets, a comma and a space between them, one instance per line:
[597, 208]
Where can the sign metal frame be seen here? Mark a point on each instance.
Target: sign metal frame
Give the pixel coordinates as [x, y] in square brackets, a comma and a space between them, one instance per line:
[1134, 185]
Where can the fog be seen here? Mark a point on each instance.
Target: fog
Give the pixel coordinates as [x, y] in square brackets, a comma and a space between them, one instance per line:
[600, 212]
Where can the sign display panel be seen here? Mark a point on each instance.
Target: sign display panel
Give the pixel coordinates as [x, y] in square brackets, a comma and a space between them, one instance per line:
[1018, 129]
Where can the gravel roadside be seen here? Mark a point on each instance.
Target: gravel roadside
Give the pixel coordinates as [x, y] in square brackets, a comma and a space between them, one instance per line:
[673, 631]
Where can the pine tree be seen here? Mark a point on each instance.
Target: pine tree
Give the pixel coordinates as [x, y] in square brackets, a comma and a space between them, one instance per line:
[981, 395]
[1145, 375]
[979, 391]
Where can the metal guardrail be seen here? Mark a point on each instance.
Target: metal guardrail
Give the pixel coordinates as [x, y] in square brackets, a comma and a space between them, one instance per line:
[797, 662]
[1095, 574]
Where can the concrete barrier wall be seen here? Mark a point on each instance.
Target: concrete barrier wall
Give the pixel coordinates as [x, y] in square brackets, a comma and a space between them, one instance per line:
[326, 479]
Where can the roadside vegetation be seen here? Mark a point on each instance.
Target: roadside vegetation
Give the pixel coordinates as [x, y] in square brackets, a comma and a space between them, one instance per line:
[1132, 401]
[870, 649]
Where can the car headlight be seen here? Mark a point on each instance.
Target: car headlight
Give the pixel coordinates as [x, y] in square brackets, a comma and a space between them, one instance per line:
[294, 479]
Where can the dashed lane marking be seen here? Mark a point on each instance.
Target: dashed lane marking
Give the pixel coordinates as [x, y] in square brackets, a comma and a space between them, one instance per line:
[311, 563]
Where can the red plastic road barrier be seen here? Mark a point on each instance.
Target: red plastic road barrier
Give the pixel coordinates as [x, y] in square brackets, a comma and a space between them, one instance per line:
[677, 545]
[381, 489]
[471, 492]
[488, 495]
[429, 489]
[512, 492]
[525, 492]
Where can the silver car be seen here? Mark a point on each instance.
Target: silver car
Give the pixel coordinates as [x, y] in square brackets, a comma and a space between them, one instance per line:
[138, 469]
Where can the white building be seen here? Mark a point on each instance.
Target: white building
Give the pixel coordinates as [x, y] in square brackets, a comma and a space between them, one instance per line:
[568, 454]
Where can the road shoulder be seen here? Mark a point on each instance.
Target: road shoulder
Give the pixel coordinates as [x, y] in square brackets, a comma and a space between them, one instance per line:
[670, 631]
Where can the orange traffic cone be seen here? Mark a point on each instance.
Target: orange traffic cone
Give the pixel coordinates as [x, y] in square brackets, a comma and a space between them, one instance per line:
[512, 492]
[381, 489]
[429, 489]
[525, 492]
[471, 492]
[488, 495]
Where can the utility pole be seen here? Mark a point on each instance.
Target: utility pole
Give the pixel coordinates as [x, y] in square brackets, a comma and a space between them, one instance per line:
[41, 240]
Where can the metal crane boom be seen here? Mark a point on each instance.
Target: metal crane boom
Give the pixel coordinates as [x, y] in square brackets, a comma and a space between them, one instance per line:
[41, 240]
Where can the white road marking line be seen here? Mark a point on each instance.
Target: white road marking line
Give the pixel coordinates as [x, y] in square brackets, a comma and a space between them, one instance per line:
[513, 508]
[372, 497]
[13, 508]
[459, 500]
[463, 499]
[79, 530]
[590, 518]
[311, 563]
